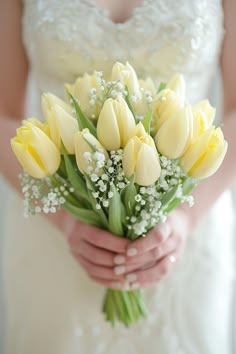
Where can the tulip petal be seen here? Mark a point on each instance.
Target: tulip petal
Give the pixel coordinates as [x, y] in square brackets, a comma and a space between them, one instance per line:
[205, 107]
[125, 120]
[46, 150]
[84, 141]
[107, 127]
[196, 151]
[67, 126]
[26, 160]
[177, 84]
[174, 135]
[211, 162]
[147, 170]
[129, 158]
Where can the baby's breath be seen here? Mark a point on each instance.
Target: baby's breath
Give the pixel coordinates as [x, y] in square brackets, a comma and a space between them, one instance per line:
[40, 196]
[113, 174]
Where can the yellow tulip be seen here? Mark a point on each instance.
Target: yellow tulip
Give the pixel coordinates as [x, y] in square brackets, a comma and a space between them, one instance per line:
[115, 124]
[62, 125]
[84, 141]
[205, 156]
[175, 134]
[148, 85]
[48, 103]
[165, 104]
[37, 154]
[128, 77]
[139, 131]
[204, 115]
[36, 122]
[141, 104]
[82, 90]
[141, 157]
[177, 84]
[67, 126]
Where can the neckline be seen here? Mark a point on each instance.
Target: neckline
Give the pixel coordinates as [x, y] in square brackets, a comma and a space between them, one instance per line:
[136, 12]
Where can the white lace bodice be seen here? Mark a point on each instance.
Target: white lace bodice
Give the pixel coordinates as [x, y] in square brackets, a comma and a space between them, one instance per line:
[54, 308]
[66, 38]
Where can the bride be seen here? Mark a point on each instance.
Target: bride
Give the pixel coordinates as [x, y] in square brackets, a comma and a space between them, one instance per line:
[55, 270]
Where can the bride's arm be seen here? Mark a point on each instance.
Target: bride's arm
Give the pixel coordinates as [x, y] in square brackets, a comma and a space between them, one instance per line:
[13, 82]
[168, 240]
[13, 78]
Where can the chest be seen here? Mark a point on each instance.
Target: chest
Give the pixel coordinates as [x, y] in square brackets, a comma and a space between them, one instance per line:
[119, 11]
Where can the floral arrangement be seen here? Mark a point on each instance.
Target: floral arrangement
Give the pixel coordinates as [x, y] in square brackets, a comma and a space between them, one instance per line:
[118, 154]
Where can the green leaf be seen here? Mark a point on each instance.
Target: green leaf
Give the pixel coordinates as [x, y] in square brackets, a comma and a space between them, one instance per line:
[188, 185]
[100, 212]
[127, 99]
[83, 121]
[169, 196]
[74, 177]
[161, 87]
[147, 121]
[172, 205]
[128, 196]
[115, 213]
[85, 215]
[62, 169]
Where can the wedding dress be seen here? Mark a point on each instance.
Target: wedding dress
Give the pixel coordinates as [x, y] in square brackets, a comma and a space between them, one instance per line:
[52, 307]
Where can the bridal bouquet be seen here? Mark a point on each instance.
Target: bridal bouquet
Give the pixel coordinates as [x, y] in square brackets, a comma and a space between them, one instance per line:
[118, 154]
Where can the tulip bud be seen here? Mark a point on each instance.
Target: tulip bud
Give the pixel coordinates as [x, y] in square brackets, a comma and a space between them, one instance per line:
[175, 134]
[205, 156]
[35, 151]
[90, 154]
[165, 104]
[127, 76]
[204, 115]
[148, 85]
[177, 84]
[48, 103]
[67, 126]
[37, 123]
[115, 124]
[139, 131]
[83, 88]
[141, 104]
[141, 157]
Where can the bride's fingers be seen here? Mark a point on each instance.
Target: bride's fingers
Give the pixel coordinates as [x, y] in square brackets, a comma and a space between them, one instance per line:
[94, 254]
[103, 272]
[156, 253]
[98, 238]
[154, 238]
[149, 276]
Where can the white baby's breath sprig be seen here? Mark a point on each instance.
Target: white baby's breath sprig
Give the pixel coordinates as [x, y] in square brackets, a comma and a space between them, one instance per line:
[113, 174]
[40, 196]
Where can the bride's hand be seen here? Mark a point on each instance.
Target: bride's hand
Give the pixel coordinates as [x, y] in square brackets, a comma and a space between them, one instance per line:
[118, 263]
[155, 255]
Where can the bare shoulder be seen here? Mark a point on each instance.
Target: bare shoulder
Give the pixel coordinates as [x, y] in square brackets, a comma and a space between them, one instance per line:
[13, 60]
[228, 57]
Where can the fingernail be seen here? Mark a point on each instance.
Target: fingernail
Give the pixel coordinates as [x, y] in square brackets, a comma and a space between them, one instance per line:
[172, 259]
[126, 285]
[116, 284]
[119, 259]
[131, 277]
[132, 252]
[135, 285]
[119, 270]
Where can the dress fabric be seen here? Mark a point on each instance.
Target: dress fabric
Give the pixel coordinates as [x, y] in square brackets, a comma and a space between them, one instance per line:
[52, 307]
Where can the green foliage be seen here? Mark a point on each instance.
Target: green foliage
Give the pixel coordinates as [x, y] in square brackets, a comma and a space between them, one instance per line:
[83, 121]
[115, 213]
[147, 121]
